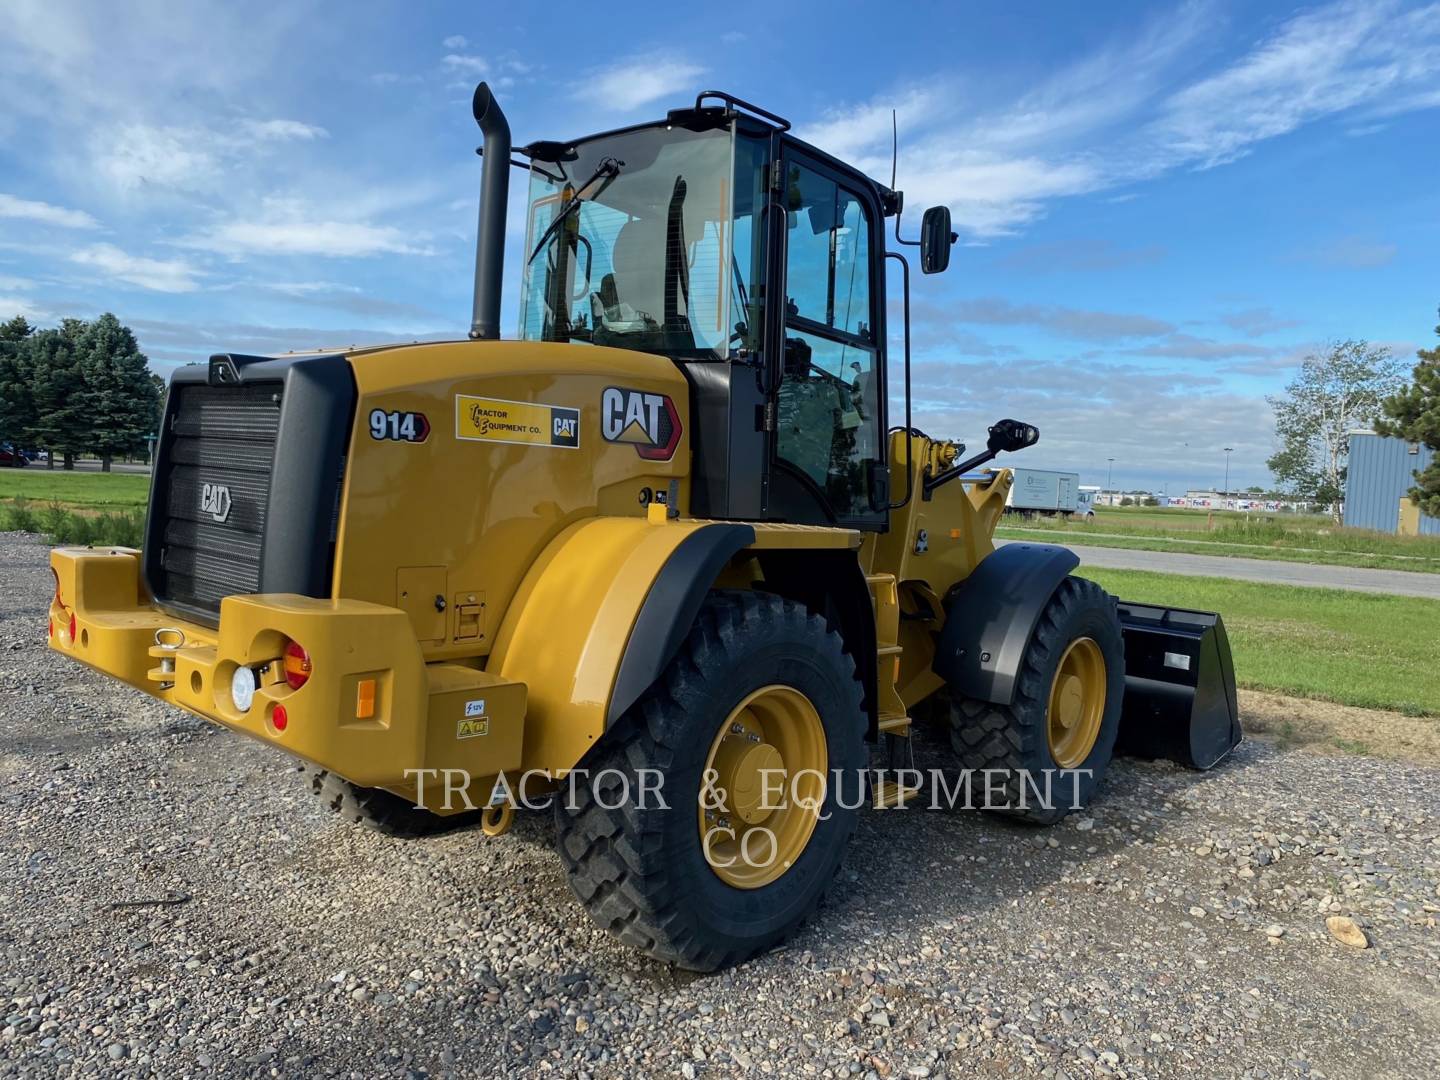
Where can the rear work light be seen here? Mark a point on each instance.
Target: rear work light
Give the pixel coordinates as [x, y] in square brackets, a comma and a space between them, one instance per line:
[297, 665]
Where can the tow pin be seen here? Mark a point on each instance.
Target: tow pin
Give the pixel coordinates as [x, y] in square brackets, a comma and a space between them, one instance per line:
[168, 640]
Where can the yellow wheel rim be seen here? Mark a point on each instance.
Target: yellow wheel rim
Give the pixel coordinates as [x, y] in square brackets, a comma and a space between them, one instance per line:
[1077, 703]
[762, 787]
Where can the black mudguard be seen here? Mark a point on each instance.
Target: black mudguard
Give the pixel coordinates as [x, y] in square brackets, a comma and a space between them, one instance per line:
[991, 616]
[1180, 700]
[670, 607]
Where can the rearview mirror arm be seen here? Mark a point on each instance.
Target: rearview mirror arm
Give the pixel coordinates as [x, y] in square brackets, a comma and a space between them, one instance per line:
[956, 471]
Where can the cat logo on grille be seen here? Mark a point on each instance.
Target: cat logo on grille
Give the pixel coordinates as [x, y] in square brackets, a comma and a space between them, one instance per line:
[647, 421]
[215, 501]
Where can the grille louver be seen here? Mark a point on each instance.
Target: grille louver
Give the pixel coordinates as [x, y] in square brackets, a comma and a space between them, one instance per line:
[224, 437]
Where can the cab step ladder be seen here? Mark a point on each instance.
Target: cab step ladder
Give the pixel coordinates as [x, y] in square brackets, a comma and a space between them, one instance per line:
[894, 721]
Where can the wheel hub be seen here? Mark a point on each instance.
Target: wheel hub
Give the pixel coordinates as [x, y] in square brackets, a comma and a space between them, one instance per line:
[1077, 703]
[747, 768]
[762, 787]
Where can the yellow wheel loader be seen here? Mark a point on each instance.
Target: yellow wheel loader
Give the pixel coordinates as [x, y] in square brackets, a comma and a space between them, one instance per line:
[663, 561]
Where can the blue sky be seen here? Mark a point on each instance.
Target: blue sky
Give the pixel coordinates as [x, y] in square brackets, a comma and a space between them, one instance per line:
[1162, 206]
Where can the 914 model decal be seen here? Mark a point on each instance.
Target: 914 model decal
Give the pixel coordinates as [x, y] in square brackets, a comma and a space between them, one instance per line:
[496, 420]
[399, 426]
[648, 421]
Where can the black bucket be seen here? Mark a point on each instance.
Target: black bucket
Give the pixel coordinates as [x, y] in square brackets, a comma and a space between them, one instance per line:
[1179, 686]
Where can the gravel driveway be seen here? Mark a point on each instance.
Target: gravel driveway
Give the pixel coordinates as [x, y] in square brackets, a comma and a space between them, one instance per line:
[1178, 930]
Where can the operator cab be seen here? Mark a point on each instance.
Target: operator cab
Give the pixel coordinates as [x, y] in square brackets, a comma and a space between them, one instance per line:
[756, 262]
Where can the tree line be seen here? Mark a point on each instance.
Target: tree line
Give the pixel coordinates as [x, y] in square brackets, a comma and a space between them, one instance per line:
[83, 387]
[1354, 385]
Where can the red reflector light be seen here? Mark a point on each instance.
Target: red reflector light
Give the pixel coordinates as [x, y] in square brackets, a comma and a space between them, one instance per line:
[52, 627]
[297, 666]
[72, 627]
[280, 718]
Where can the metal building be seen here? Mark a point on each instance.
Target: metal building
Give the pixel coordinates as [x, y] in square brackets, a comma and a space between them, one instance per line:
[1381, 471]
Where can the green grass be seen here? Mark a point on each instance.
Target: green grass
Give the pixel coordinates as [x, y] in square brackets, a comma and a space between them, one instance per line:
[1294, 538]
[1367, 649]
[74, 490]
[123, 527]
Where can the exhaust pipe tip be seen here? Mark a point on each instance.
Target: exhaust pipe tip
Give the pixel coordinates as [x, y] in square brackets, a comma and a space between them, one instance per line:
[481, 104]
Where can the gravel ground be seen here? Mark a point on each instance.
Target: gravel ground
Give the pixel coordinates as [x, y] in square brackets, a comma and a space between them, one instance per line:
[1176, 930]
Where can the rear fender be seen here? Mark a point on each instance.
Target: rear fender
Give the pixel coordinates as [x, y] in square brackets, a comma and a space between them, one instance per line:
[597, 619]
[991, 615]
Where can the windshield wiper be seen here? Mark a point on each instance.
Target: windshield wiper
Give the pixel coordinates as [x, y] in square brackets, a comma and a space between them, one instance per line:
[609, 168]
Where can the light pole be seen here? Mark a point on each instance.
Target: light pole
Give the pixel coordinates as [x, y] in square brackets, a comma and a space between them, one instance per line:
[1228, 451]
[1110, 476]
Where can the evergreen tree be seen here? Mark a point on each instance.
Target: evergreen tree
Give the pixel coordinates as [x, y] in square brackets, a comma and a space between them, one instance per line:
[17, 402]
[1414, 414]
[59, 424]
[116, 395]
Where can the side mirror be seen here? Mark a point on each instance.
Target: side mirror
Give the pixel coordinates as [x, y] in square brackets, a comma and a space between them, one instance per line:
[935, 240]
[1007, 436]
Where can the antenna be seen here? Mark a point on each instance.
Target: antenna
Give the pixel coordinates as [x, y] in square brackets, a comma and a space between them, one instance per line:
[894, 148]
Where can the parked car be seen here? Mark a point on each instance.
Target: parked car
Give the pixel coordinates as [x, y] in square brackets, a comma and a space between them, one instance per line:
[12, 458]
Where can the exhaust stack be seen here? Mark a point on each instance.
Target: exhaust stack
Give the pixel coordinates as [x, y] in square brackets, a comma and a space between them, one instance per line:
[490, 232]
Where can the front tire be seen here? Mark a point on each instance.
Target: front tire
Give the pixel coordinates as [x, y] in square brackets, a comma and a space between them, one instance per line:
[1062, 723]
[760, 682]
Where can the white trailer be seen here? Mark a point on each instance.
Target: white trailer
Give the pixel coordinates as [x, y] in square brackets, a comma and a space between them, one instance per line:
[1046, 492]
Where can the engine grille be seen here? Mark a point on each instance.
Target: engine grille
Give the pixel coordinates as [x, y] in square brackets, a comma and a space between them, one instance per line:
[220, 450]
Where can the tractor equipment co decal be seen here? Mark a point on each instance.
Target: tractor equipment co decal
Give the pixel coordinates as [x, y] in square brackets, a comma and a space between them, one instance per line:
[647, 421]
[496, 420]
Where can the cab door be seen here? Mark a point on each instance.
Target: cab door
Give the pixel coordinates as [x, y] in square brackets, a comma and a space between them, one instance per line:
[828, 448]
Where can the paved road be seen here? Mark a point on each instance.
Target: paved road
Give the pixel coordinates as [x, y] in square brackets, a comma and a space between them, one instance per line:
[1354, 579]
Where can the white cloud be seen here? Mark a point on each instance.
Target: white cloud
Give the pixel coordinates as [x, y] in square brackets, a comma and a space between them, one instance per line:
[281, 130]
[11, 306]
[286, 227]
[1320, 63]
[139, 156]
[638, 81]
[1116, 117]
[45, 213]
[1159, 426]
[460, 62]
[455, 41]
[160, 275]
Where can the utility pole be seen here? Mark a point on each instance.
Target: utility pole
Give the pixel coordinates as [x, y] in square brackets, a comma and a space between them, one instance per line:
[1110, 476]
[1228, 451]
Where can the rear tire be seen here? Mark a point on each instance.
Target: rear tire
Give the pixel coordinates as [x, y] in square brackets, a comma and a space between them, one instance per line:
[381, 810]
[641, 868]
[1015, 741]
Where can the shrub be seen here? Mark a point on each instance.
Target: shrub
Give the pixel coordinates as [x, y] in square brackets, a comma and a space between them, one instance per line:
[122, 528]
[20, 518]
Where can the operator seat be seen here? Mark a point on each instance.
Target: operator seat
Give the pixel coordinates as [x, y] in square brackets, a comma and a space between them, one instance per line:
[629, 307]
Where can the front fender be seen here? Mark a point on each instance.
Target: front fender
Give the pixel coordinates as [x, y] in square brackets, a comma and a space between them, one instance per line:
[991, 616]
[596, 620]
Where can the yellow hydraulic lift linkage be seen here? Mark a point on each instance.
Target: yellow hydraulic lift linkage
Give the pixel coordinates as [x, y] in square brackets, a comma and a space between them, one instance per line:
[665, 559]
